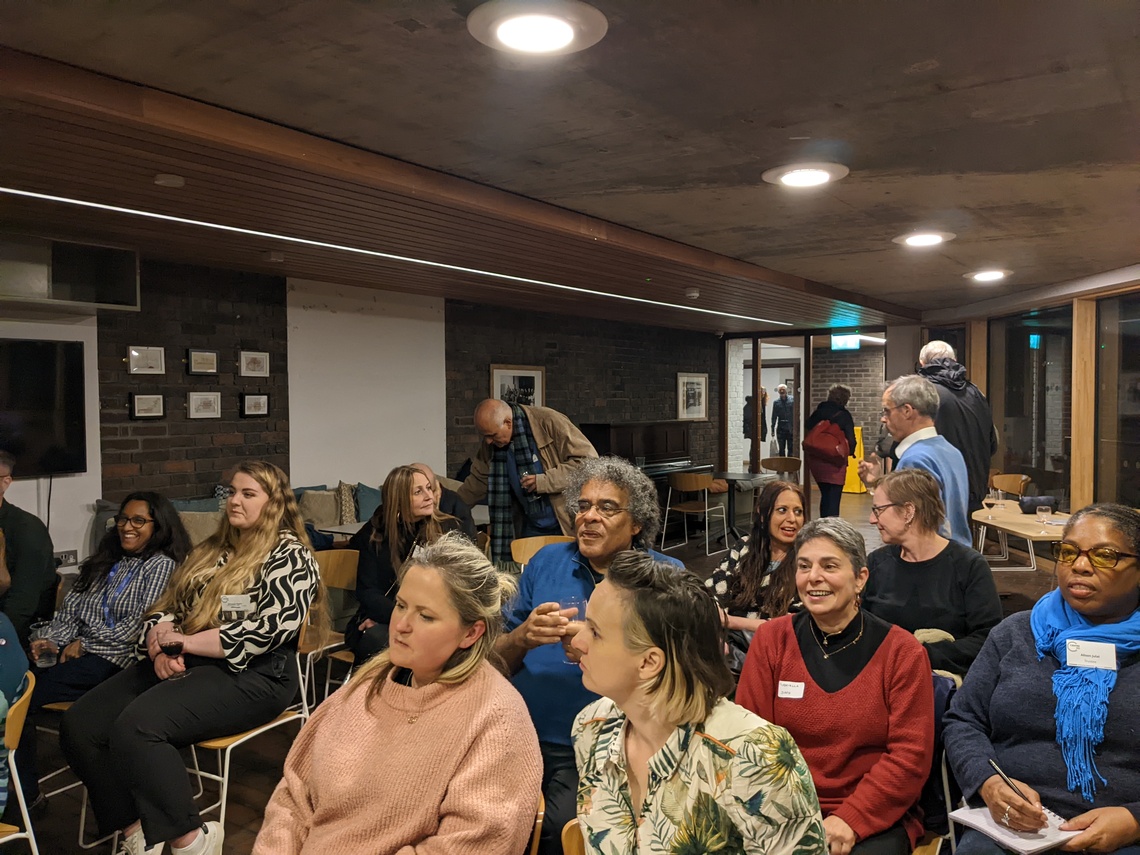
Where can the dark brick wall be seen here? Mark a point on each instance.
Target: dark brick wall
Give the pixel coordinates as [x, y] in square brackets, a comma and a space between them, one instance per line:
[861, 370]
[185, 306]
[596, 371]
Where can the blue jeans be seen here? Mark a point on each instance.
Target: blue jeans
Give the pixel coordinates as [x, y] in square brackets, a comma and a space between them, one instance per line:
[975, 843]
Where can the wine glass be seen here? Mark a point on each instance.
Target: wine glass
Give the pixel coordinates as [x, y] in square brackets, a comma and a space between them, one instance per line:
[1043, 514]
[988, 503]
[173, 649]
[578, 603]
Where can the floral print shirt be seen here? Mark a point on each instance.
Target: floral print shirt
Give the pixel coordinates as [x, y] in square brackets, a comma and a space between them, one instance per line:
[735, 783]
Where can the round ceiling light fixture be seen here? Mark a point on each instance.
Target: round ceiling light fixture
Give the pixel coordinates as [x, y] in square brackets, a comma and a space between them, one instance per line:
[693, 293]
[991, 275]
[812, 174]
[546, 28]
[923, 240]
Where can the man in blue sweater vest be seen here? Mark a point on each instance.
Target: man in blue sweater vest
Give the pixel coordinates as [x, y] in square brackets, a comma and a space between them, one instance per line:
[909, 406]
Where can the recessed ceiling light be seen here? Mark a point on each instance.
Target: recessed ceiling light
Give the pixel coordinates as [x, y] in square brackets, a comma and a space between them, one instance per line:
[920, 240]
[275, 256]
[805, 174]
[549, 27]
[166, 179]
[693, 293]
[987, 275]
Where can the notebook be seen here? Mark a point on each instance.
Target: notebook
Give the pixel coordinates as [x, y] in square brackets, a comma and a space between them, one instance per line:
[1025, 842]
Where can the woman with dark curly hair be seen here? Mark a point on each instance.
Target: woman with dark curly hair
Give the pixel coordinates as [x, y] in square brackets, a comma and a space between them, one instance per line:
[95, 631]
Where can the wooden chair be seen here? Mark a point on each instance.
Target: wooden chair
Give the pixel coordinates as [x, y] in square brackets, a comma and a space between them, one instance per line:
[538, 819]
[524, 548]
[572, 842]
[338, 570]
[786, 467]
[13, 730]
[1015, 485]
[694, 482]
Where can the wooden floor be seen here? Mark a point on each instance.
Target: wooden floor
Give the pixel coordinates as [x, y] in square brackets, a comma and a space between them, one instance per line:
[257, 765]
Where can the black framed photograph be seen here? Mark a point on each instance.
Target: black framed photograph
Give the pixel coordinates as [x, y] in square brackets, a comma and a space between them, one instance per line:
[201, 361]
[147, 407]
[204, 405]
[253, 363]
[519, 384]
[254, 406]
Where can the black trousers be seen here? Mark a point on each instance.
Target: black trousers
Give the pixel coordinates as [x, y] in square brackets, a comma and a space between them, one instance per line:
[124, 736]
[560, 789]
[829, 498]
[893, 841]
[784, 442]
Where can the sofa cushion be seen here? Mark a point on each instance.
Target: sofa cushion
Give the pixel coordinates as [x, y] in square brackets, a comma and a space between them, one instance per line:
[346, 503]
[200, 524]
[368, 499]
[319, 507]
[299, 491]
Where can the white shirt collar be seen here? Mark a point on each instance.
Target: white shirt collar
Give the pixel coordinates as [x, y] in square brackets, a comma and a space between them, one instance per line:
[921, 433]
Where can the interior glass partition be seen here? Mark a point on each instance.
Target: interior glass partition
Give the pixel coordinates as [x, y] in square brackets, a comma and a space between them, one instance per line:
[1118, 401]
[1030, 390]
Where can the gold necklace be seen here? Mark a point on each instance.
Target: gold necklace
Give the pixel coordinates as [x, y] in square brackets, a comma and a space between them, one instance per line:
[827, 636]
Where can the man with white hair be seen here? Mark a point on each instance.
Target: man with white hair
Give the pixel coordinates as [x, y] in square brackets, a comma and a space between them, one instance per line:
[964, 415]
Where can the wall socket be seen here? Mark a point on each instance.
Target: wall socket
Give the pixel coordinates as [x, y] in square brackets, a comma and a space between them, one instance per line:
[67, 558]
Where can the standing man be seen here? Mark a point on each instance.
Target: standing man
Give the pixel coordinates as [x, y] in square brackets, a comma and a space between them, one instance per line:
[783, 415]
[615, 508]
[522, 467]
[964, 415]
[31, 562]
[909, 406]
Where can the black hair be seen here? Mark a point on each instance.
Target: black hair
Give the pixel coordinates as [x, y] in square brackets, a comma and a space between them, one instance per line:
[169, 537]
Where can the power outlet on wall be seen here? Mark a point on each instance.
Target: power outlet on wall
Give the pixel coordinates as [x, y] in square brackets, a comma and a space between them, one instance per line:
[67, 558]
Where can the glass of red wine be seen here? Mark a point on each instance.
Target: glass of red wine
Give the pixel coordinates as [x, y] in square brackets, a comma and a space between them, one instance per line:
[173, 649]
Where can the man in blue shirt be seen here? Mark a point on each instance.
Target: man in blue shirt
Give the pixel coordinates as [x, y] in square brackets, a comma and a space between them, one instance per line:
[615, 508]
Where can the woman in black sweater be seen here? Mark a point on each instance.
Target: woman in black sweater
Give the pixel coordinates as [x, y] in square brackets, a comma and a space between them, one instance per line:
[407, 520]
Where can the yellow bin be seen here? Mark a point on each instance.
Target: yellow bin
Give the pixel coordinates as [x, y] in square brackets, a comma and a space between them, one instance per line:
[853, 484]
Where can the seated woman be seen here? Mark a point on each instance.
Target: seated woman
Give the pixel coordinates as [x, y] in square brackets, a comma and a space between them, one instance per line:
[855, 693]
[428, 748]
[936, 588]
[236, 607]
[665, 762]
[96, 630]
[1059, 718]
[405, 522]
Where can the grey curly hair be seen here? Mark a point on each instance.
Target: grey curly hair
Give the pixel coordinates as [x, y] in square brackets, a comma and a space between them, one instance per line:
[643, 504]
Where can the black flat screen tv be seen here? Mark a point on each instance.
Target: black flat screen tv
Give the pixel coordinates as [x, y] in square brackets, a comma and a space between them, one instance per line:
[41, 406]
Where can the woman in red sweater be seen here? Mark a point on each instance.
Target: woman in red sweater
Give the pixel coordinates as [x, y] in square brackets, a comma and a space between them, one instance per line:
[855, 693]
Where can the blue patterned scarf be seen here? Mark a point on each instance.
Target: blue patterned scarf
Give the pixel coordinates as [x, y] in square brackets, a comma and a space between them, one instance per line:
[1082, 693]
[499, 486]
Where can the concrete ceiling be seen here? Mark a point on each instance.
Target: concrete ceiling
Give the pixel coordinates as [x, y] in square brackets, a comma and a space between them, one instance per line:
[1014, 124]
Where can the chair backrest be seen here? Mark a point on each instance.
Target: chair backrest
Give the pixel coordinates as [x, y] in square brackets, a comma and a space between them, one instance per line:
[781, 464]
[536, 835]
[572, 842]
[524, 548]
[690, 482]
[338, 568]
[17, 713]
[1011, 483]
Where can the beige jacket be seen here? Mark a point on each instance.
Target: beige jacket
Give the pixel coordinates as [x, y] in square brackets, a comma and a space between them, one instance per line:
[561, 447]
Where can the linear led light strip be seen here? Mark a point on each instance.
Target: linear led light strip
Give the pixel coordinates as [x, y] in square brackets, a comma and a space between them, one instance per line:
[377, 254]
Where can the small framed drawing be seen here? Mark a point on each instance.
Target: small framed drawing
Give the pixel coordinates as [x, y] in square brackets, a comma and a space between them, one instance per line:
[253, 363]
[519, 384]
[254, 406]
[146, 407]
[204, 405]
[201, 361]
[146, 360]
[692, 396]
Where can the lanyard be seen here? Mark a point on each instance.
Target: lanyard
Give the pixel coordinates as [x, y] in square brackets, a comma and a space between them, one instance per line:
[110, 621]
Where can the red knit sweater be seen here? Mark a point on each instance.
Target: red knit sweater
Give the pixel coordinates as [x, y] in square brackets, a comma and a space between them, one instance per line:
[869, 746]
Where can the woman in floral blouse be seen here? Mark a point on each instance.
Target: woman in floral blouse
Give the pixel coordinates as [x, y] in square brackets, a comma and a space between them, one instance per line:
[666, 763]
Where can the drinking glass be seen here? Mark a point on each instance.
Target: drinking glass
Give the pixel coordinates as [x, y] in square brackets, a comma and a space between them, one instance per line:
[988, 503]
[1000, 506]
[173, 649]
[578, 603]
[1043, 514]
[40, 630]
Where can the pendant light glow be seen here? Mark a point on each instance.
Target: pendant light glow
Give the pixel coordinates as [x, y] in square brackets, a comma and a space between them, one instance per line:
[805, 174]
[988, 275]
[535, 33]
[923, 240]
[537, 27]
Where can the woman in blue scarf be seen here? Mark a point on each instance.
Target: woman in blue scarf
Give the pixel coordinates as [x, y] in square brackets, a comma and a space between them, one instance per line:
[1054, 697]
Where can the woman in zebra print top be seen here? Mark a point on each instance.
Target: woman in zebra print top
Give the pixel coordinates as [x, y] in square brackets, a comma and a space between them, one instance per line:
[237, 606]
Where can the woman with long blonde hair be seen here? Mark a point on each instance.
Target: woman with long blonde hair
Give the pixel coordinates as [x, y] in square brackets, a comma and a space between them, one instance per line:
[217, 656]
[408, 520]
[429, 745]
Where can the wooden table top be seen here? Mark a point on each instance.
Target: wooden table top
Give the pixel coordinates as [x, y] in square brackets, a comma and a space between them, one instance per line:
[1013, 521]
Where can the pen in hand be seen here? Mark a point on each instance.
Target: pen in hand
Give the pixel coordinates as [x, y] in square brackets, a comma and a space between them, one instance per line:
[1009, 781]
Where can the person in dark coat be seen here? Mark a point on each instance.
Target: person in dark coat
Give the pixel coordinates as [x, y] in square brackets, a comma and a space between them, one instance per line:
[831, 477]
[964, 415]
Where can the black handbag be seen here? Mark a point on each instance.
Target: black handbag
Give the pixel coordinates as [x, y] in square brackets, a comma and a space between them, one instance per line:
[1030, 504]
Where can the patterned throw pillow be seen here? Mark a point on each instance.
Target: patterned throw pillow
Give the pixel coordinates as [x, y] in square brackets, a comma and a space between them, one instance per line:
[346, 502]
[319, 507]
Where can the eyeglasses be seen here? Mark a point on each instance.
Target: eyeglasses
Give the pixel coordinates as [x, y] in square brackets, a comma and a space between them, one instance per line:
[133, 522]
[1101, 557]
[887, 410]
[877, 510]
[606, 509]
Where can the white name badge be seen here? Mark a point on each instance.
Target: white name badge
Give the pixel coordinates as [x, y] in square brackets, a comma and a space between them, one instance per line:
[1090, 654]
[236, 606]
[790, 689]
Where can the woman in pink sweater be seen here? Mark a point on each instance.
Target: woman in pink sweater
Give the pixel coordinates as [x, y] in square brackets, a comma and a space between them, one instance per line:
[429, 749]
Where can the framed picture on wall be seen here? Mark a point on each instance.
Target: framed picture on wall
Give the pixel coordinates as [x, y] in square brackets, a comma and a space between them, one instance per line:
[146, 360]
[519, 384]
[204, 405]
[253, 363]
[146, 407]
[254, 406]
[692, 396]
[201, 361]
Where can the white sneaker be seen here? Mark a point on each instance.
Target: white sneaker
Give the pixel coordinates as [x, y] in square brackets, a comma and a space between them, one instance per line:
[215, 836]
[135, 844]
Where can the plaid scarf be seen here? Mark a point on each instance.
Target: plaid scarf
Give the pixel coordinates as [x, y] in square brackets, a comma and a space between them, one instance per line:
[499, 491]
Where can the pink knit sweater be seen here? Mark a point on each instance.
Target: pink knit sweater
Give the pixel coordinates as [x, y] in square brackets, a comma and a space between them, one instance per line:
[443, 769]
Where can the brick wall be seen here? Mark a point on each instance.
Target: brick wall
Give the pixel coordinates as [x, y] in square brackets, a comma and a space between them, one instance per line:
[185, 306]
[596, 371]
[862, 371]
